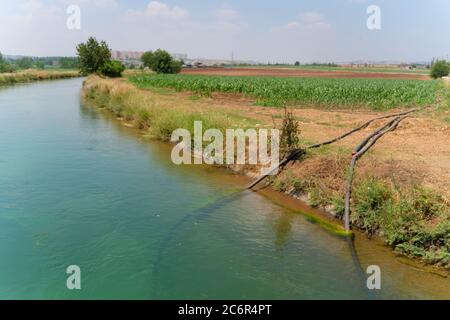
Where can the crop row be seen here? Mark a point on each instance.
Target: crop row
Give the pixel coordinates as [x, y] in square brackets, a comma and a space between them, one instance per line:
[377, 94]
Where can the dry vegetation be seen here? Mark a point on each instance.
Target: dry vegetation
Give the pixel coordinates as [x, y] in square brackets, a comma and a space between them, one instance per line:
[35, 75]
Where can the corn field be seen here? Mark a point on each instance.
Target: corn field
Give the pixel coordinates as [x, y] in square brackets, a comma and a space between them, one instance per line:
[376, 94]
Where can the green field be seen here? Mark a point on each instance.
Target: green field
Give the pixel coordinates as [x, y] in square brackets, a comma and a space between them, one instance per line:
[337, 69]
[375, 94]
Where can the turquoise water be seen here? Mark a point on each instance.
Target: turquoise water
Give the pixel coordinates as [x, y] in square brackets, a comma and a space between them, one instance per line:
[77, 188]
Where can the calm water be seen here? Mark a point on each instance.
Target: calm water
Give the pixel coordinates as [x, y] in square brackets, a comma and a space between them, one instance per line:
[77, 188]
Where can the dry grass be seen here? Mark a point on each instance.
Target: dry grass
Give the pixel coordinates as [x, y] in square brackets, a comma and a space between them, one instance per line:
[35, 75]
[144, 111]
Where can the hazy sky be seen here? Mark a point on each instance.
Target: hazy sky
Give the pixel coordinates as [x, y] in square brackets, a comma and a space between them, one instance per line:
[262, 30]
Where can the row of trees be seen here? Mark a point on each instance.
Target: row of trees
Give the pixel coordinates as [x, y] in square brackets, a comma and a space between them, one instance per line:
[5, 66]
[95, 57]
[11, 65]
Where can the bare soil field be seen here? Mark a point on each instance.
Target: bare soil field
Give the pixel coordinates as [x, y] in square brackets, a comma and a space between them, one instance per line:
[288, 72]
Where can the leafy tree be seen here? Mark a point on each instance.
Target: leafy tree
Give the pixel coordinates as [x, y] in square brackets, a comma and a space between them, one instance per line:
[112, 69]
[93, 55]
[39, 64]
[25, 63]
[175, 66]
[161, 61]
[147, 59]
[68, 63]
[297, 63]
[439, 69]
[3, 64]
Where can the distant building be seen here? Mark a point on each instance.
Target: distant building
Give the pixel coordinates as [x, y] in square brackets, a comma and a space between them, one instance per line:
[179, 56]
[125, 56]
[134, 57]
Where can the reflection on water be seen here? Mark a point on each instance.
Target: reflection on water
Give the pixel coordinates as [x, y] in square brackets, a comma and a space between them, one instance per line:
[77, 187]
[282, 228]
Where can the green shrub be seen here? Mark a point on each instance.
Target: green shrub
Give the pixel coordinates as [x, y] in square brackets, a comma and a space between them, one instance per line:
[370, 198]
[338, 203]
[5, 66]
[439, 69]
[112, 69]
[161, 61]
[415, 223]
[289, 139]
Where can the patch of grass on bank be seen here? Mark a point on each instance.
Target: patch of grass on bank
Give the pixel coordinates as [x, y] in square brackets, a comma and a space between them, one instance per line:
[35, 75]
[443, 105]
[127, 102]
[415, 223]
[375, 94]
[414, 220]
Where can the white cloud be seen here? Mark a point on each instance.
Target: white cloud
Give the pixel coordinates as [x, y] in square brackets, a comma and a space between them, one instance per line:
[31, 10]
[308, 20]
[30, 5]
[292, 25]
[157, 11]
[103, 4]
[310, 17]
[228, 21]
[162, 10]
[227, 13]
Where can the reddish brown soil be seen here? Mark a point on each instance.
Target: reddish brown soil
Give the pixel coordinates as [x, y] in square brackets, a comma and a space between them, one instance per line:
[287, 72]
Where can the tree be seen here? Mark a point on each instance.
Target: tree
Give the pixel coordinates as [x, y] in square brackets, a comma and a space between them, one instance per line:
[39, 64]
[112, 69]
[68, 63]
[161, 61]
[439, 69]
[297, 63]
[147, 59]
[92, 55]
[25, 63]
[5, 66]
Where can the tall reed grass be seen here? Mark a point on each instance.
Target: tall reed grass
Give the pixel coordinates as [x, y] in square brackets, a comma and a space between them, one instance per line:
[142, 110]
[35, 75]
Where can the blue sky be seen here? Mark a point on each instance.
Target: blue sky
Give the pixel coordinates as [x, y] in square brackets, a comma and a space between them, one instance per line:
[283, 30]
